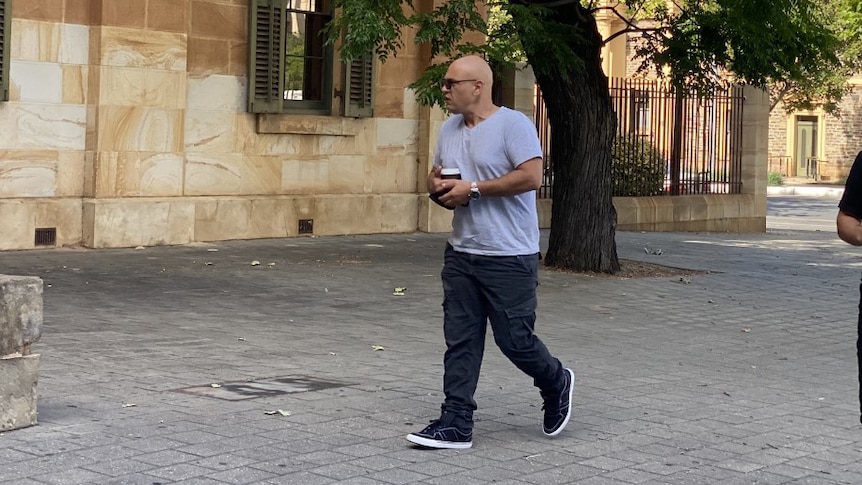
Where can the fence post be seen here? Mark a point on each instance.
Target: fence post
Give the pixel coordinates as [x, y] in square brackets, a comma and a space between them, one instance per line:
[20, 326]
[755, 155]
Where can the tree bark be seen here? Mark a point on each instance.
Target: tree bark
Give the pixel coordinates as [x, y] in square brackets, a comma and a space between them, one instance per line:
[583, 124]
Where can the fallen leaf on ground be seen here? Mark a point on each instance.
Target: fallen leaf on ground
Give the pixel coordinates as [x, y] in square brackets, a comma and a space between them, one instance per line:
[377, 347]
[255, 263]
[215, 385]
[278, 411]
[129, 405]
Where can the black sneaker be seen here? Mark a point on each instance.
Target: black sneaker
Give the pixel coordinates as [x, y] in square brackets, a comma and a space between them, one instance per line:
[558, 407]
[444, 433]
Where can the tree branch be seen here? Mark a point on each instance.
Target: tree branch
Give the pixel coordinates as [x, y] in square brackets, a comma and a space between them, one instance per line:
[558, 3]
[631, 26]
[635, 29]
[779, 96]
[627, 20]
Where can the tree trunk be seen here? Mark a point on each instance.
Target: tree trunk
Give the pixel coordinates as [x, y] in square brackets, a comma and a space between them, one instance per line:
[583, 218]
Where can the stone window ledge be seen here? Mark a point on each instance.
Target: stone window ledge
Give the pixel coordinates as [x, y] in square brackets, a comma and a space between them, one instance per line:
[307, 125]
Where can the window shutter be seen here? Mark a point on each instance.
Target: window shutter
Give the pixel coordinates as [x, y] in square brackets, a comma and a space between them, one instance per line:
[266, 56]
[359, 87]
[5, 21]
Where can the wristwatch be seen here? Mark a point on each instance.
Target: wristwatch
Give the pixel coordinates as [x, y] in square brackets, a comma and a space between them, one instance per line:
[474, 191]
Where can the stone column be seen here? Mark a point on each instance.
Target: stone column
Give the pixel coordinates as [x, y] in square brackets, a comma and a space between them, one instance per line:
[20, 326]
[137, 97]
[755, 158]
[432, 218]
[518, 90]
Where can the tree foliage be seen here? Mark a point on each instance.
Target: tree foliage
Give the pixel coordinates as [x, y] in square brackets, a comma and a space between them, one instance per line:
[824, 88]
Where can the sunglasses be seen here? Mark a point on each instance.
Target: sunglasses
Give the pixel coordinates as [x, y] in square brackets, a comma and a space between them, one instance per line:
[448, 83]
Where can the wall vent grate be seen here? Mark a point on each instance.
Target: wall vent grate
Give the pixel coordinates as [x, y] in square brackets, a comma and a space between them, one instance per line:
[306, 226]
[46, 236]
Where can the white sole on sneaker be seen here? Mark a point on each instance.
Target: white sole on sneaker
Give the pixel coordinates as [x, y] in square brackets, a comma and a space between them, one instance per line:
[429, 443]
[569, 414]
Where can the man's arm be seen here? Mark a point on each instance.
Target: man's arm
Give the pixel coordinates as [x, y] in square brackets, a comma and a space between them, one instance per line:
[849, 228]
[526, 177]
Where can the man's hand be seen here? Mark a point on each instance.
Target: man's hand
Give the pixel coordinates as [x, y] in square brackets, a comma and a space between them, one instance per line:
[434, 179]
[457, 192]
[452, 192]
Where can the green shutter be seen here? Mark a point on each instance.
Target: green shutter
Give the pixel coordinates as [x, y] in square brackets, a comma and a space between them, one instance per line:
[359, 87]
[5, 21]
[266, 56]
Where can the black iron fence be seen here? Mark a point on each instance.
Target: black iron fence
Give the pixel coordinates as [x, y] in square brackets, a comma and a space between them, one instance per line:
[668, 142]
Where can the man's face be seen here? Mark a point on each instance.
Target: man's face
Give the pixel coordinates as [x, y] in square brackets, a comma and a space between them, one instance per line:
[459, 90]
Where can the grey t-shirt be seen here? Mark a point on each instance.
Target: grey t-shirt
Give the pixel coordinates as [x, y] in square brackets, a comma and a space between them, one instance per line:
[492, 226]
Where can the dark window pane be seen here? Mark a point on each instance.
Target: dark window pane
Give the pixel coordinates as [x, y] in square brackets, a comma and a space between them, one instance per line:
[306, 50]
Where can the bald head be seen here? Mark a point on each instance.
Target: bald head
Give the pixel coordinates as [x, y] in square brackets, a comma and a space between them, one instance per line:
[473, 67]
[468, 91]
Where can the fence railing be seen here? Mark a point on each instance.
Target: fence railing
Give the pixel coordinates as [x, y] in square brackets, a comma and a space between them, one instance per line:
[780, 164]
[677, 142]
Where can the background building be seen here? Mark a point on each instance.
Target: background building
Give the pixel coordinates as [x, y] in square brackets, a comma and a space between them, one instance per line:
[815, 144]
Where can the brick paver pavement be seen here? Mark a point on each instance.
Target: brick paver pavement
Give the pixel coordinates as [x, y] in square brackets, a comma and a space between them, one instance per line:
[744, 374]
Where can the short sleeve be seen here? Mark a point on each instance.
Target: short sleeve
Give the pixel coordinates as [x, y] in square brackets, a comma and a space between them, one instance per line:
[522, 140]
[851, 201]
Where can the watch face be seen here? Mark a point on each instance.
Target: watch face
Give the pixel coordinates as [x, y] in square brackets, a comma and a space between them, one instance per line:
[474, 194]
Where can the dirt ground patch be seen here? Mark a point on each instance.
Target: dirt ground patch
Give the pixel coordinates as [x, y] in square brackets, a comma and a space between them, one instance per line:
[630, 268]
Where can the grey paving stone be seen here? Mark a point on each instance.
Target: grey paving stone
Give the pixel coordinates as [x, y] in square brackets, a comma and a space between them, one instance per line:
[241, 475]
[164, 458]
[397, 476]
[74, 476]
[341, 471]
[119, 466]
[433, 468]
[283, 466]
[301, 478]
[379, 462]
[606, 463]
[562, 474]
[225, 462]
[181, 471]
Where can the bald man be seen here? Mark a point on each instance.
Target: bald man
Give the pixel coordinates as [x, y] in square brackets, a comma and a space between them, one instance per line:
[491, 258]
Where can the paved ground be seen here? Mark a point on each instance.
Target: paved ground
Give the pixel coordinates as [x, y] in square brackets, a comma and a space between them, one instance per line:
[744, 374]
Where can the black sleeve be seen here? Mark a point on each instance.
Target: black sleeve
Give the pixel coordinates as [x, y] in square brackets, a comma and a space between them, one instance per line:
[851, 201]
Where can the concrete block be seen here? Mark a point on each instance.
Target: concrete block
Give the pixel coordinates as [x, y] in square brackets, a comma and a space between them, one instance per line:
[18, 378]
[20, 313]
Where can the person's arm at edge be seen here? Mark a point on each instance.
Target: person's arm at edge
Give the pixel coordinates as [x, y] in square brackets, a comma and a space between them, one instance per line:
[849, 228]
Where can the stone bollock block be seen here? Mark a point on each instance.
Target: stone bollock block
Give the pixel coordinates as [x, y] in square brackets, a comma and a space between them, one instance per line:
[20, 313]
[18, 379]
